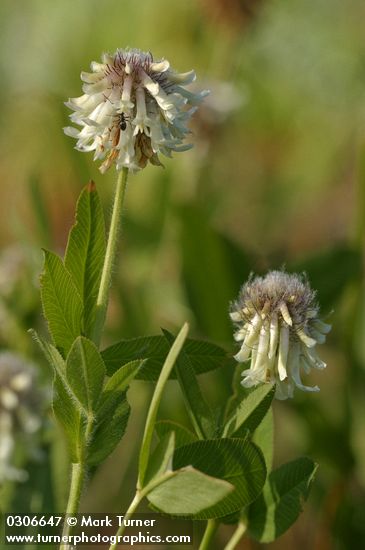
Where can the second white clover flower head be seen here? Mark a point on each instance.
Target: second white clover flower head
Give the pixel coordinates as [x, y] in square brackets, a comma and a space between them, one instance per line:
[18, 402]
[278, 327]
[133, 108]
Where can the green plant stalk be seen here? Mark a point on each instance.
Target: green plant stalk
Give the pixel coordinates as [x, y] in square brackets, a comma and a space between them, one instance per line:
[77, 482]
[79, 469]
[155, 402]
[138, 497]
[148, 432]
[197, 409]
[199, 430]
[78, 474]
[237, 535]
[210, 531]
[111, 249]
[212, 525]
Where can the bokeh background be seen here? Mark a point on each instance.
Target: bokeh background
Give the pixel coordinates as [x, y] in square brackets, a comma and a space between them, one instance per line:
[275, 179]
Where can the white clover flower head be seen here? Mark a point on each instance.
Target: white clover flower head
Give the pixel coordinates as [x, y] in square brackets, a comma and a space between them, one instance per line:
[278, 327]
[133, 108]
[18, 403]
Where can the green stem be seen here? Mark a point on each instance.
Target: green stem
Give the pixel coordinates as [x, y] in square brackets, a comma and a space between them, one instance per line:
[192, 402]
[78, 474]
[111, 249]
[144, 454]
[79, 469]
[77, 482]
[198, 409]
[138, 497]
[132, 508]
[209, 533]
[237, 535]
[155, 402]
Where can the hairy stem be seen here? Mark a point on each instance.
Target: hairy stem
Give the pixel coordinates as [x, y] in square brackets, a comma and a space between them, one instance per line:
[77, 482]
[78, 474]
[111, 249]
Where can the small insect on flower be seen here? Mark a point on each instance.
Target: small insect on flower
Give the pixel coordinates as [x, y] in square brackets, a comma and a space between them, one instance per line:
[133, 108]
[278, 326]
[122, 122]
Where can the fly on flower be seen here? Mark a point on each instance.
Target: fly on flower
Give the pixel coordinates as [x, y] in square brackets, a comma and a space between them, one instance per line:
[133, 108]
[278, 327]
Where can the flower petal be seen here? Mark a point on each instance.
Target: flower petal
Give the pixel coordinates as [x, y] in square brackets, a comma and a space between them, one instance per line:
[283, 352]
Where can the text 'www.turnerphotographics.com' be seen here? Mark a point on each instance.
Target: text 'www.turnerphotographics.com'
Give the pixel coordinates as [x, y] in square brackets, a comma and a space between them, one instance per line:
[147, 529]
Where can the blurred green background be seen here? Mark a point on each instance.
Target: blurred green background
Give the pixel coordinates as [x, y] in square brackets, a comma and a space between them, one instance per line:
[276, 178]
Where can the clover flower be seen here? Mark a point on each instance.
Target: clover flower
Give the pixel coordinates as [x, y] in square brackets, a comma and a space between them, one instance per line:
[133, 108]
[18, 402]
[278, 327]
